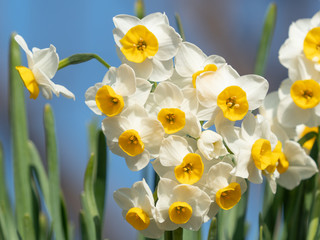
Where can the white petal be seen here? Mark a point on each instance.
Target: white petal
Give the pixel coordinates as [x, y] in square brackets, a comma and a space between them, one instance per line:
[161, 70]
[126, 81]
[169, 41]
[173, 150]
[256, 88]
[125, 22]
[152, 134]
[143, 88]
[110, 77]
[218, 176]
[192, 126]
[168, 95]
[189, 59]
[90, 97]
[154, 19]
[290, 115]
[47, 60]
[138, 162]
[124, 198]
[22, 43]
[64, 91]
[284, 89]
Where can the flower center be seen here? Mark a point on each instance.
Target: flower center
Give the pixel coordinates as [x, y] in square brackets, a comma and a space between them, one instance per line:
[262, 156]
[229, 196]
[233, 103]
[29, 81]
[110, 103]
[208, 67]
[190, 170]
[130, 142]
[305, 93]
[138, 44]
[138, 218]
[283, 163]
[311, 45]
[180, 212]
[172, 119]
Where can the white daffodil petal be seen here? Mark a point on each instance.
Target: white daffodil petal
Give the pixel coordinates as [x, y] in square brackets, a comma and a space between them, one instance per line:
[125, 22]
[162, 70]
[189, 59]
[168, 95]
[126, 81]
[47, 60]
[138, 162]
[143, 88]
[154, 19]
[173, 150]
[22, 43]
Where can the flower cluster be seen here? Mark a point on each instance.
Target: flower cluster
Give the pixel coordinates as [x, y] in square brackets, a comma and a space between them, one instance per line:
[171, 104]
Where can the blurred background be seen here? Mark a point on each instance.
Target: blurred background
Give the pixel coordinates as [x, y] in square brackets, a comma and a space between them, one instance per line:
[229, 28]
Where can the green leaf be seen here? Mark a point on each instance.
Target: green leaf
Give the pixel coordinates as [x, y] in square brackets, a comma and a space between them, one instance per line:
[314, 220]
[43, 226]
[19, 131]
[83, 225]
[266, 37]
[28, 228]
[177, 234]
[213, 230]
[191, 235]
[180, 27]
[87, 219]
[264, 233]
[53, 172]
[80, 58]
[140, 9]
[101, 175]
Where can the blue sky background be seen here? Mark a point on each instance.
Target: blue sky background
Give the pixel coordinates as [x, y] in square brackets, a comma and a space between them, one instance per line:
[229, 28]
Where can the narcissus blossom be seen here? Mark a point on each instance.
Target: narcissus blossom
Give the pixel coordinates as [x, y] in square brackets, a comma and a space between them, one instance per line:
[253, 146]
[302, 44]
[118, 89]
[294, 164]
[42, 66]
[138, 208]
[180, 205]
[223, 188]
[134, 136]
[225, 91]
[299, 103]
[210, 144]
[148, 45]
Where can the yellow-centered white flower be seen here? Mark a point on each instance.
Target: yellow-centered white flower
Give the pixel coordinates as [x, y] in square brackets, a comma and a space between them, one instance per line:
[148, 44]
[178, 161]
[253, 146]
[299, 103]
[180, 205]
[42, 66]
[303, 43]
[225, 91]
[118, 89]
[134, 136]
[223, 188]
[169, 106]
[294, 164]
[138, 208]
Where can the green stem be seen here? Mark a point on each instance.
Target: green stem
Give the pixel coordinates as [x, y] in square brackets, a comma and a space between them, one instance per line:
[180, 28]
[177, 234]
[80, 58]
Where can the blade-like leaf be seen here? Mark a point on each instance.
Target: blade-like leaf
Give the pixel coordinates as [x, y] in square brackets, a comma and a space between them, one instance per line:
[213, 230]
[53, 172]
[140, 9]
[266, 37]
[180, 27]
[19, 131]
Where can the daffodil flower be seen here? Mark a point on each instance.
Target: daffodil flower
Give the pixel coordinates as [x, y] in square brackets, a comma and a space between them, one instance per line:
[118, 89]
[42, 66]
[171, 108]
[134, 136]
[210, 144]
[303, 43]
[294, 164]
[225, 91]
[224, 189]
[253, 146]
[138, 208]
[178, 161]
[147, 45]
[299, 103]
[180, 205]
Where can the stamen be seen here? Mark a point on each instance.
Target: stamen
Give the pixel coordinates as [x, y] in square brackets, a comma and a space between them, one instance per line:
[188, 168]
[231, 102]
[171, 117]
[141, 45]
